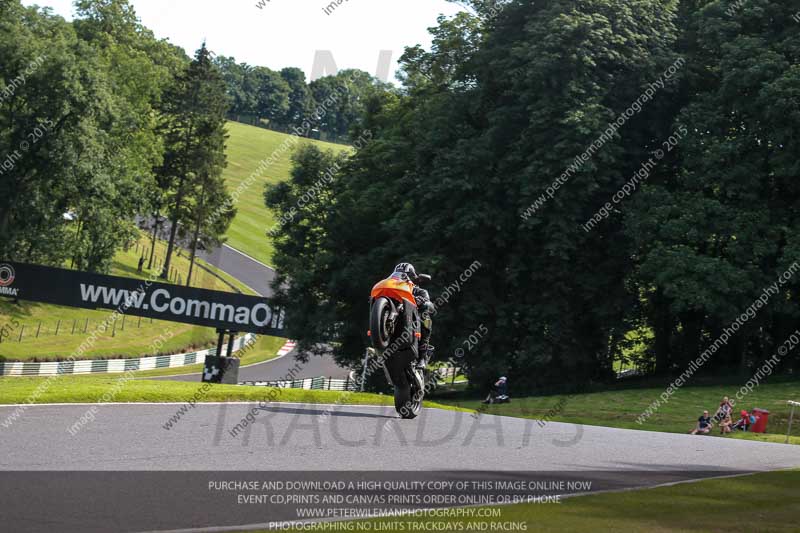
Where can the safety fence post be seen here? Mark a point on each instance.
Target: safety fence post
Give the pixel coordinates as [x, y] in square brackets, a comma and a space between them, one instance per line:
[791, 417]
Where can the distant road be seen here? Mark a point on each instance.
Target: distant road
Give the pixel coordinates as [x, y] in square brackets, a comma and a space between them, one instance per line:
[258, 277]
[241, 266]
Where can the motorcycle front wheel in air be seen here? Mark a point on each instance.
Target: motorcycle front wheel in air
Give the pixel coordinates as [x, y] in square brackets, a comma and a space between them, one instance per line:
[380, 327]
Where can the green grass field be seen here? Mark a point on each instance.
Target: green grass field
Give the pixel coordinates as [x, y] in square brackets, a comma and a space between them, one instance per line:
[621, 408]
[762, 502]
[90, 389]
[136, 339]
[246, 148]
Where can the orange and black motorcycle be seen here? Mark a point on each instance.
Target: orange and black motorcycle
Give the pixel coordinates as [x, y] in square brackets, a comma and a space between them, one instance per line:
[395, 330]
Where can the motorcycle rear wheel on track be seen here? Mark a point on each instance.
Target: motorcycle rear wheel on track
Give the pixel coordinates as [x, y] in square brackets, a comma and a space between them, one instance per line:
[408, 398]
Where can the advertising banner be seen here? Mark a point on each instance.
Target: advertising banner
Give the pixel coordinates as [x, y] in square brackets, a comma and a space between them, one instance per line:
[146, 298]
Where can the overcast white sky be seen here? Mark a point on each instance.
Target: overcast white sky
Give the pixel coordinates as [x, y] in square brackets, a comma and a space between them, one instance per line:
[289, 32]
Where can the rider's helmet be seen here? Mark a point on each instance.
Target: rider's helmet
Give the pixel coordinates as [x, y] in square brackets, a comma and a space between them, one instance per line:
[407, 269]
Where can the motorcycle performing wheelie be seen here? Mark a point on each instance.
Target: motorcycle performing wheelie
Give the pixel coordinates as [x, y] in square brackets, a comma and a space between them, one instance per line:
[400, 329]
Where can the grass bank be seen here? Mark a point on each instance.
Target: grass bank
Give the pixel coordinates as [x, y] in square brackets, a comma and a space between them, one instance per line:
[90, 389]
[247, 147]
[621, 408]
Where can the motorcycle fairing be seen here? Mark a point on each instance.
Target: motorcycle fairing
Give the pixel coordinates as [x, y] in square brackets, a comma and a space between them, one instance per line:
[395, 288]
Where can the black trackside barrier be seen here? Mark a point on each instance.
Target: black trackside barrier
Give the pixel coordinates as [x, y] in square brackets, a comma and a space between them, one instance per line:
[219, 368]
[224, 311]
[224, 370]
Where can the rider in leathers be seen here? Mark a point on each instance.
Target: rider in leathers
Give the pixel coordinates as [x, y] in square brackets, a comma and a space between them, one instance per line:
[426, 312]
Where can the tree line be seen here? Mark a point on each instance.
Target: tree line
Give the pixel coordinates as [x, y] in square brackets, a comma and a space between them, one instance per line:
[283, 100]
[624, 172]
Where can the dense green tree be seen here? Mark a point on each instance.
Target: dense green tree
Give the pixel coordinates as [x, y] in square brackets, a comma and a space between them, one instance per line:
[341, 101]
[301, 103]
[495, 112]
[139, 68]
[57, 125]
[211, 212]
[193, 127]
[240, 100]
[77, 115]
[718, 229]
[301, 240]
[272, 95]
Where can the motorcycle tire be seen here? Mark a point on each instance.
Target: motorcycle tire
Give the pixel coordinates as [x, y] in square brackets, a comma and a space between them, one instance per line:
[381, 331]
[408, 398]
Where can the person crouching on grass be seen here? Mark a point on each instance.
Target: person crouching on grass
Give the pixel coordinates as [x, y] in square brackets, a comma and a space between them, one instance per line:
[743, 424]
[704, 425]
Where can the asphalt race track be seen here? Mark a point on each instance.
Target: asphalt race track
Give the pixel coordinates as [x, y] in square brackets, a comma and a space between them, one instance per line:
[252, 273]
[139, 476]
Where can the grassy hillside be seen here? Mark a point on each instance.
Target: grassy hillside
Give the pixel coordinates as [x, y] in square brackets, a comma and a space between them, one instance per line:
[246, 148]
[621, 408]
[138, 338]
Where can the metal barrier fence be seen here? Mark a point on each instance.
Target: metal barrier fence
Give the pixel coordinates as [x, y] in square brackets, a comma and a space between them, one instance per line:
[335, 384]
[112, 366]
[318, 383]
[449, 373]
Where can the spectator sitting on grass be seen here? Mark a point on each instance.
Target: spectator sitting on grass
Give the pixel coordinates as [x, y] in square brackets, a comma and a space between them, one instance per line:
[725, 410]
[499, 392]
[743, 424]
[725, 425]
[704, 425]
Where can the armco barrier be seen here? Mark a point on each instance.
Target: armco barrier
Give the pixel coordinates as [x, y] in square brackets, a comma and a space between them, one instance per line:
[112, 366]
[320, 383]
[323, 383]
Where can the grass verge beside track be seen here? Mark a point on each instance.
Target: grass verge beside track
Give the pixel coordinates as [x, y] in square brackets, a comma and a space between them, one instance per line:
[761, 502]
[90, 389]
[621, 408]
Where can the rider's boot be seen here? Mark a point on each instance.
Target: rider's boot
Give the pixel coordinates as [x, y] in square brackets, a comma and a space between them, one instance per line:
[425, 356]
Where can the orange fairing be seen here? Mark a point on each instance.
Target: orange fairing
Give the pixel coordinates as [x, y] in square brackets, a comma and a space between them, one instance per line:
[396, 289]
